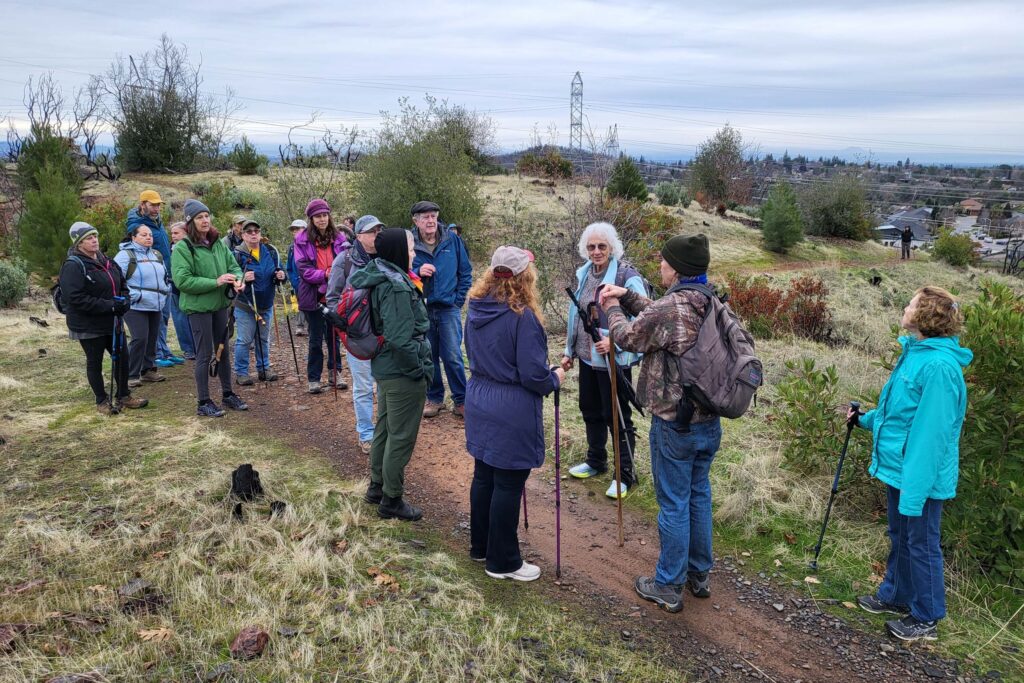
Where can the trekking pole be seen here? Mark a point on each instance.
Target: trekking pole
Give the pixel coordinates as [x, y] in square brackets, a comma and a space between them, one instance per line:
[526, 515]
[558, 491]
[616, 414]
[115, 361]
[259, 338]
[835, 483]
[288, 323]
[334, 359]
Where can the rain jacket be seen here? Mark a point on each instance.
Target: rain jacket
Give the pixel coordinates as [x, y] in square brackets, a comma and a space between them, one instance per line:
[149, 284]
[161, 240]
[195, 269]
[916, 426]
[508, 356]
[454, 275]
[351, 259]
[313, 281]
[628, 278]
[88, 287]
[266, 276]
[399, 313]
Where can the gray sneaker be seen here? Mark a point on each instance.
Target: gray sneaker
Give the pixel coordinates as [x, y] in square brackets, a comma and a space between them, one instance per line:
[668, 598]
[243, 380]
[315, 388]
[872, 603]
[699, 585]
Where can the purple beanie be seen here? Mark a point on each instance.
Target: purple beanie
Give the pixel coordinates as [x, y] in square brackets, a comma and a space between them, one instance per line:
[317, 206]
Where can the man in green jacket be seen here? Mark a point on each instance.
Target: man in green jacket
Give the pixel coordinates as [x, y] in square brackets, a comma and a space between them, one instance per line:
[402, 369]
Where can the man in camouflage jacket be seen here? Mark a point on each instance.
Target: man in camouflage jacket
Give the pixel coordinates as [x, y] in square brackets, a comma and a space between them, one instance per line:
[681, 454]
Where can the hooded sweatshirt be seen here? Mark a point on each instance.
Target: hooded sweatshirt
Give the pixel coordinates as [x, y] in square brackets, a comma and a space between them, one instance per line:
[148, 285]
[916, 426]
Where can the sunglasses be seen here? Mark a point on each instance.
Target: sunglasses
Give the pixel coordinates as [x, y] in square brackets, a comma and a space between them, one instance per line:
[252, 231]
[597, 247]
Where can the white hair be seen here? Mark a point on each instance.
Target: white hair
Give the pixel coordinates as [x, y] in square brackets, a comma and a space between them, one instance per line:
[606, 230]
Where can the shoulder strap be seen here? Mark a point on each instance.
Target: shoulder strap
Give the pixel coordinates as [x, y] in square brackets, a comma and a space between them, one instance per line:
[706, 290]
[133, 264]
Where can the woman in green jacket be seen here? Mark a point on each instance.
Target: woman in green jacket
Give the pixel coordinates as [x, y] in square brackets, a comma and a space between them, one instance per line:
[916, 431]
[208, 276]
[403, 368]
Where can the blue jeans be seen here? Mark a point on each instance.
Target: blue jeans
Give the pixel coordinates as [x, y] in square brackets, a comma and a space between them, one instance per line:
[913, 572]
[181, 328]
[318, 334]
[163, 351]
[680, 463]
[362, 396]
[445, 337]
[245, 340]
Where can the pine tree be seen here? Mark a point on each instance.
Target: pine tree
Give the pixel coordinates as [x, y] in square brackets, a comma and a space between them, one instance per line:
[43, 226]
[781, 225]
[626, 181]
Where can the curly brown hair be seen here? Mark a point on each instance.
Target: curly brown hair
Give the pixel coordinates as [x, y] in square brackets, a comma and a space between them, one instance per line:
[938, 313]
[519, 291]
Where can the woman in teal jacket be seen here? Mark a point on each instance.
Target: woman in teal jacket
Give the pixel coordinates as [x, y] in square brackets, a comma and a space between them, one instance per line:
[916, 431]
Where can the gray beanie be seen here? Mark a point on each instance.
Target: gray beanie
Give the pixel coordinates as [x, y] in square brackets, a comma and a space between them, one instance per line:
[79, 231]
[194, 207]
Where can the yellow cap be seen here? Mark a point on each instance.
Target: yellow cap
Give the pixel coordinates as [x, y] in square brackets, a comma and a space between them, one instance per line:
[150, 196]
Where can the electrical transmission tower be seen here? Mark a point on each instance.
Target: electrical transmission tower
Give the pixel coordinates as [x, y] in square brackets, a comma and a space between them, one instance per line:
[576, 117]
[613, 142]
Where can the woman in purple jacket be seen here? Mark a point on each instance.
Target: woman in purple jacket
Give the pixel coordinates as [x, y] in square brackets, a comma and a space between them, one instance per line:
[315, 249]
[508, 356]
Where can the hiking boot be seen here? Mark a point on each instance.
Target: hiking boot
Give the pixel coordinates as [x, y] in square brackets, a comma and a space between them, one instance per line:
[315, 388]
[699, 585]
[339, 382]
[613, 491]
[300, 332]
[432, 409]
[209, 409]
[152, 375]
[374, 493]
[366, 447]
[528, 572]
[583, 471]
[235, 402]
[910, 629]
[104, 408]
[132, 403]
[164, 363]
[871, 603]
[268, 376]
[243, 380]
[134, 383]
[668, 598]
[459, 410]
[396, 508]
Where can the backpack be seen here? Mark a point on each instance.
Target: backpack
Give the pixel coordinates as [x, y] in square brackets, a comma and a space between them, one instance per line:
[357, 330]
[620, 277]
[133, 262]
[720, 371]
[57, 296]
[245, 483]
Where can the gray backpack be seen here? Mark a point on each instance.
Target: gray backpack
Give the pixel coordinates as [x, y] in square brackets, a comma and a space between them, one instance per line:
[720, 371]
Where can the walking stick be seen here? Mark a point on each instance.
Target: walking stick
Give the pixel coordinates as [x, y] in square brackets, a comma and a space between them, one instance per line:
[526, 515]
[259, 338]
[334, 359]
[115, 361]
[558, 492]
[288, 323]
[835, 483]
[616, 413]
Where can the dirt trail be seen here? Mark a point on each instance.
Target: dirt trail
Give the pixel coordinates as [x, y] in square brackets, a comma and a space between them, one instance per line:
[738, 633]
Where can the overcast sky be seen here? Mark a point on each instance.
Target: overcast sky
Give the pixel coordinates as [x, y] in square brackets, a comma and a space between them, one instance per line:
[894, 79]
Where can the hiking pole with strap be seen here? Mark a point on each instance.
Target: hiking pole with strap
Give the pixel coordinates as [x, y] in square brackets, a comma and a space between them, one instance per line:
[219, 348]
[334, 358]
[115, 361]
[259, 337]
[558, 491]
[526, 515]
[288, 324]
[850, 423]
[616, 414]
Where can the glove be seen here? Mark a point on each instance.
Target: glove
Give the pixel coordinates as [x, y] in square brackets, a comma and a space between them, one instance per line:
[120, 307]
[333, 318]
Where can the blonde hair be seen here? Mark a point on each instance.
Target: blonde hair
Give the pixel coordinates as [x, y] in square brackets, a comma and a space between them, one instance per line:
[519, 291]
[938, 313]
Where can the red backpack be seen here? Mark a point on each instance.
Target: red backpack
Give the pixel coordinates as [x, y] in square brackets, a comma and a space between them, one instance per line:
[354, 322]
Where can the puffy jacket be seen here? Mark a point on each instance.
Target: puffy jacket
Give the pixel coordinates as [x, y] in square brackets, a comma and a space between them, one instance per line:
[508, 356]
[266, 268]
[454, 275]
[88, 287]
[916, 426]
[149, 284]
[617, 273]
[195, 269]
[401, 317]
[351, 259]
[312, 280]
[161, 240]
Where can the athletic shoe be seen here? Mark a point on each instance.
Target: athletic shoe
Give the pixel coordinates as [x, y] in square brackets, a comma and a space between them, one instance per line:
[583, 471]
[164, 363]
[871, 603]
[104, 408]
[152, 375]
[301, 332]
[268, 376]
[396, 508]
[315, 388]
[699, 585]
[190, 356]
[482, 558]
[235, 402]
[132, 403]
[432, 409]
[134, 382]
[177, 360]
[612, 491]
[668, 598]
[910, 629]
[243, 380]
[374, 493]
[366, 447]
[528, 572]
[342, 384]
[459, 410]
[209, 409]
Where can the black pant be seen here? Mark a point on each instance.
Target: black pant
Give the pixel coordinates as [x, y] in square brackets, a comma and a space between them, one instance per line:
[208, 331]
[596, 407]
[494, 516]
[94, 349]
[144, 327]
[905, 251]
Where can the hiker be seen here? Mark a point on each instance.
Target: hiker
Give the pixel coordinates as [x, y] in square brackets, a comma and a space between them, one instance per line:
[147, 213]
[233, 239]
[208, 276]
[144, 271]
[315, 250]
[89, 281]
[508, 356]
[261, 271]
[442, 262]
[916, 432]
[362, 251]
[348, 226]
[297, 226]
[181, 327]
[600, 246]
[402, 368]
[906, 238]
[681, 454]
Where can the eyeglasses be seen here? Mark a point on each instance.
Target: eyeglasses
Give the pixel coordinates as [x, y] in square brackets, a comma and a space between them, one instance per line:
[250, 231]
[597, 247]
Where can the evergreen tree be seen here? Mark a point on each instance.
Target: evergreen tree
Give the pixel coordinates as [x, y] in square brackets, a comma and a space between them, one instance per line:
[43, 226]
[781, 224]
[626, 181]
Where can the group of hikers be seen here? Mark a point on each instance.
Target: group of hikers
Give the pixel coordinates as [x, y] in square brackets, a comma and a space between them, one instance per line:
[419, 281]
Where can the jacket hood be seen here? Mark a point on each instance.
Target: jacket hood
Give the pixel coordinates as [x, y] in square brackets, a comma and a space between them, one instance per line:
[484, 311]
[442, 234]
[129, 245]
[303, 241]
[949, 346]
[376, 272]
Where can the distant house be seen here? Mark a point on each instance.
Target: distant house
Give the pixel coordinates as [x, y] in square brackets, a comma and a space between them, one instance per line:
[918, 220]
[971, 206]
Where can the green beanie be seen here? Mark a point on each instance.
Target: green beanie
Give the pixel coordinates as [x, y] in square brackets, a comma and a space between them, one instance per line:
[688, 255]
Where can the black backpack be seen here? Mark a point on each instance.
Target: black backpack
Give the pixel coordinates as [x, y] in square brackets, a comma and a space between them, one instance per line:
[56, 295]
[245, 483]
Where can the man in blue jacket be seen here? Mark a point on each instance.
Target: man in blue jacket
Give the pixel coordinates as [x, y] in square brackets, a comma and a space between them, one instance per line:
[148, 213]
[442, 262]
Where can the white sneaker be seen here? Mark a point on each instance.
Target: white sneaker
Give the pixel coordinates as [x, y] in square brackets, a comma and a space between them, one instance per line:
[611, 492]
[583, 471]
[528, 572]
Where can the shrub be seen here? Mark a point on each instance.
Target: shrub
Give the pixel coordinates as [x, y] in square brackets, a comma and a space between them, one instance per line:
[626, 182]
[836, 208]
[44, 223]
[108, 217]
[667, 193]
[245, 158]
[13, 284]
[718, 171]
[781, 225]
[768, 312]
[956, 250]
[757, 303]
[43, 148]
[244, 198]
[550, 165]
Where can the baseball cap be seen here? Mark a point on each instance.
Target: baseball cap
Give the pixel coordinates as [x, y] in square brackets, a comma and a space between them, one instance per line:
[151, 196]
[367, 223]
[512, 259]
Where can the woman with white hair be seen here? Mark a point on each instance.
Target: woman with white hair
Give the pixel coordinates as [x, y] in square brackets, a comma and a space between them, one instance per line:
[601, 248]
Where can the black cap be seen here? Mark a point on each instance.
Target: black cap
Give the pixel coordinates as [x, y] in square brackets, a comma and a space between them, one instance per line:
[423, 207]
[687, 254]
